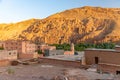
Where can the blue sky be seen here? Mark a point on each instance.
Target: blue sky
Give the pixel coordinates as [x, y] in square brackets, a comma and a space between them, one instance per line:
[18, 10]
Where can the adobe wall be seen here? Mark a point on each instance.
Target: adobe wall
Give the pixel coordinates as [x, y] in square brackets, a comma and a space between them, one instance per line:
[28, 56]
[108, 68]
[4, 62]
[10, 55]
[20, 46]
[61, 62]
[30, 47]
[109, 61]
[117, 48]
[2, 44]
[112, 57]
[13, 45]
[56, 52]
[69, 53]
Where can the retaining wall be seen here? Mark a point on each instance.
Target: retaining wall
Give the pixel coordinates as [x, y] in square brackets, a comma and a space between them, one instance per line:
[61, 62]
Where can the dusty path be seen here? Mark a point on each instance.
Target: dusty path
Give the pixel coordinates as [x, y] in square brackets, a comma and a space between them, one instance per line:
[47, 72]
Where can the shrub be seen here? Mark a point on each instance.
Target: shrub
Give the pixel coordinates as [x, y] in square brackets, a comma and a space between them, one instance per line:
[39, 51]
[10, 71]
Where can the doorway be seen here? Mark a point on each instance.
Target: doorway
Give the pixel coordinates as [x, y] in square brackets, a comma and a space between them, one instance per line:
[118, 72]
[96, 60]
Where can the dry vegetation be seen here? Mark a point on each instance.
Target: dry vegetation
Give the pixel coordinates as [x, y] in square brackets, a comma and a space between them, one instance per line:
[86, 24]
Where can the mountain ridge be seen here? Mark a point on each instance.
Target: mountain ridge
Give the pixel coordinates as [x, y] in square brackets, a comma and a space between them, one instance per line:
[85, 24]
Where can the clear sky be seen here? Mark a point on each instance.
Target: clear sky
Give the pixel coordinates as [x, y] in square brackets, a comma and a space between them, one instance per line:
[18, 10]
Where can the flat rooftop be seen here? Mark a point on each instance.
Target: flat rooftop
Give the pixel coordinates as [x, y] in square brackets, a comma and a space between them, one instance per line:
[101, 49]
[67, 57]
[117, 45]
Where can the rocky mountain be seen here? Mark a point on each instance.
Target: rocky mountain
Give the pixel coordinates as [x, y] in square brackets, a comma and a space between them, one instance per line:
[85, 24]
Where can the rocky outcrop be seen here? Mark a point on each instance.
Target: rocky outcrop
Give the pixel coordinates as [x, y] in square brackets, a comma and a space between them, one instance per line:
[85, 24]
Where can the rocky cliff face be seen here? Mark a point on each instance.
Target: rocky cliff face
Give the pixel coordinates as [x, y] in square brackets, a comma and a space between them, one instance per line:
[85, 24]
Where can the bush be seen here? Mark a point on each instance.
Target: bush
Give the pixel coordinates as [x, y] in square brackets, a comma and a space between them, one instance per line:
[83, 46]
[39, 51]
[64, 46]
[1, 48]
[10, 71]
[14, 63]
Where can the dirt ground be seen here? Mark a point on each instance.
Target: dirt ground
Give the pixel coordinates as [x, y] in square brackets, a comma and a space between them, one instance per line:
[49, 72]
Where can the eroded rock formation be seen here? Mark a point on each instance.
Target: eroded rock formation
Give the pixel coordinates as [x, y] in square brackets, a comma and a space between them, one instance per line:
[85, 24]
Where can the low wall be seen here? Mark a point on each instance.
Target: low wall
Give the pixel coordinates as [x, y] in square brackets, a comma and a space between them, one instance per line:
[28, 56]
[8, 54]
[61, 62]
[56, 52]
[117, 48]
[108, 68]
[4, 63]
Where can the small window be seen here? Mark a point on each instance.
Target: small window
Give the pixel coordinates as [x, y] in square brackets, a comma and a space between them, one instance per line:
[10, 53]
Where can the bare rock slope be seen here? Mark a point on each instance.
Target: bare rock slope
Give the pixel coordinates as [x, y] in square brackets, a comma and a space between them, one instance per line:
[85, 24]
